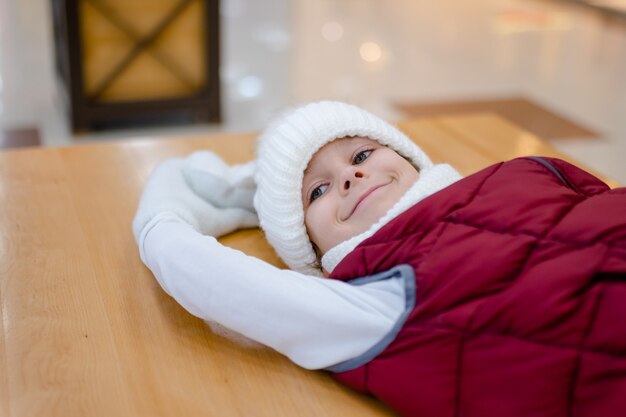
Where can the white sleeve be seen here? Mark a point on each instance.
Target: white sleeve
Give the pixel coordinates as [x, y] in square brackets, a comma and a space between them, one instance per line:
[316, 322]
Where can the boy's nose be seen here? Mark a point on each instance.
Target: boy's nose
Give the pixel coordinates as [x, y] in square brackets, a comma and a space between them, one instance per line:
[351, 178]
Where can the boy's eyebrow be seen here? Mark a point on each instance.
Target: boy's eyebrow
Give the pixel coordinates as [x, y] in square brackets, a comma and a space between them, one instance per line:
[308, 168]
[305, 173]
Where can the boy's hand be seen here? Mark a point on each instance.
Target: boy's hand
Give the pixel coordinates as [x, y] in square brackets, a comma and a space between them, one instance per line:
[167, 191]
[218, 183]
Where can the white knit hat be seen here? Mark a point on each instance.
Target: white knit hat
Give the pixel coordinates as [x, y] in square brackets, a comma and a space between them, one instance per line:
[284, 152]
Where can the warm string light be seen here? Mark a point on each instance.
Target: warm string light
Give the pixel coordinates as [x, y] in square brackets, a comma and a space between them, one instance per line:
[370, 52]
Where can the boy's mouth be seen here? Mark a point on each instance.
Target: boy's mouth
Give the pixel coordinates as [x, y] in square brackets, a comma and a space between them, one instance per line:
[362, 198]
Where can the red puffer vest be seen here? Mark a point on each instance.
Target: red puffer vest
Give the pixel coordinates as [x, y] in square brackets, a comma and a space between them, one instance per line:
[520, 297]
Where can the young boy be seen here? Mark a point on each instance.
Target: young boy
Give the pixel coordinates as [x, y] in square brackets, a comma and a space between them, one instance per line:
[492, 294]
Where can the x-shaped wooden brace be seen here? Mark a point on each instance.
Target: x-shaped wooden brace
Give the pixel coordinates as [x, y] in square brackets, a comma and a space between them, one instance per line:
[141, 43]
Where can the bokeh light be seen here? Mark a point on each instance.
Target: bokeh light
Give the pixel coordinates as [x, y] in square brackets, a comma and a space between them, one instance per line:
[250, 86]
[332, 31]
[370, 51]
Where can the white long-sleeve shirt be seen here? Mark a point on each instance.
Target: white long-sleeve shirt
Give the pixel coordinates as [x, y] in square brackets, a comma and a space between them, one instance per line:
[316, 322]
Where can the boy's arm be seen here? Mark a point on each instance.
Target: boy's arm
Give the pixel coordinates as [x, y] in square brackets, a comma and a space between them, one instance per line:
[316, 322]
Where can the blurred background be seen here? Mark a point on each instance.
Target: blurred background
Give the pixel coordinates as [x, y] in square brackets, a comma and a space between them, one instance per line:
[85, 71]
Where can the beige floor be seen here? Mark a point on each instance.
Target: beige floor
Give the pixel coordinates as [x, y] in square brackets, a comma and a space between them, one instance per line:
[525, 113]
[375, 53]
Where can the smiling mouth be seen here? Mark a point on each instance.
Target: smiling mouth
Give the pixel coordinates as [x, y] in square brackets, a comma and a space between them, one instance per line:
[362, 198]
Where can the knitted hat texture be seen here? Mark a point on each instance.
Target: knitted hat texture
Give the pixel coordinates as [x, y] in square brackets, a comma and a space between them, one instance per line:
[284, 151]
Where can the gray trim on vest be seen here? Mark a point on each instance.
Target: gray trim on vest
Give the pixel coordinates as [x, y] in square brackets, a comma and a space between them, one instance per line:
[405, 272]
[552, 168]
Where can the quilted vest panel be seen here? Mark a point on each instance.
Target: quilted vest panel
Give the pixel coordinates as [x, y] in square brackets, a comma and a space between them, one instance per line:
[520, 289]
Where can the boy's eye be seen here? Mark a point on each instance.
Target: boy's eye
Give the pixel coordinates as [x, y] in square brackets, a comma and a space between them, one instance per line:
[361, 156]
[318, 192]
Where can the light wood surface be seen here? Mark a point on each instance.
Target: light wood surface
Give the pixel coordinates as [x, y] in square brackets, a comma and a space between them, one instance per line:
[86, 330]
[473, 141]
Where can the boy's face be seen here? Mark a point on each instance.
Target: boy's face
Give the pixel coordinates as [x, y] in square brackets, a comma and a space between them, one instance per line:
[350, 184]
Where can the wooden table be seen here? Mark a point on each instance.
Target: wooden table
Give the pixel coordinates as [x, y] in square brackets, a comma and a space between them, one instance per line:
[86, 330]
